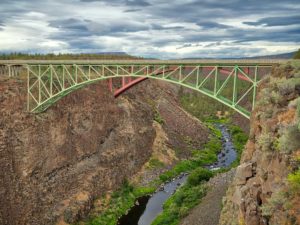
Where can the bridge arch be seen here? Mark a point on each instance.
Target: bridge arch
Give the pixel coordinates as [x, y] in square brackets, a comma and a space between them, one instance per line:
[232, 84]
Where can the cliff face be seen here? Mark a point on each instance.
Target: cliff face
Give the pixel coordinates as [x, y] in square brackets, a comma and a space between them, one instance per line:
[88, 142]
[261, 192]
[54, 164]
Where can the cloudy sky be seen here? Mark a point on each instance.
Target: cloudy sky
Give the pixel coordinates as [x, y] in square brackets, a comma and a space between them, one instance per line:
[151, 28]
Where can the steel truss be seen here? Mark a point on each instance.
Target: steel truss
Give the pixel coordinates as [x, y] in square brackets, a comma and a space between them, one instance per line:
[231, 84]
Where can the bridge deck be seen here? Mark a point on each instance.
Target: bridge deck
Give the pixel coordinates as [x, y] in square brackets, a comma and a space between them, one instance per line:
[248, 62]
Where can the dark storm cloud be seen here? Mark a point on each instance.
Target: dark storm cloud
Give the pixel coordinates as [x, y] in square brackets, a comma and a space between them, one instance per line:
[131, 10]
[122, 2]
[276, 21]
[185, 24]
[209, 25]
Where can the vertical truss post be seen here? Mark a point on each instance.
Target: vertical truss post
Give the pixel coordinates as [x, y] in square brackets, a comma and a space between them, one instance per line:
[89, 72]
[234, 93]
[180, 73]
[147, 70]
[163, 72]
[9, 71]
[39, 74]
[254, 87]
[76, 73]
[28, 89]
[216, 80]
[197, 78]
[51, 80]
[63, 77]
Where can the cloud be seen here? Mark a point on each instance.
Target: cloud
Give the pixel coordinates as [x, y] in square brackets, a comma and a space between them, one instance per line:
[276, 21]
[151, 28]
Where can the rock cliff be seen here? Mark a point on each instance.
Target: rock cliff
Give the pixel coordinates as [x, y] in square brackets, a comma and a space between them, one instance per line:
[266, 189]
[54, 164]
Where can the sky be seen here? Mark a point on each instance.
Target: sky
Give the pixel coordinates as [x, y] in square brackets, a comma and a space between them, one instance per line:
[162, 29]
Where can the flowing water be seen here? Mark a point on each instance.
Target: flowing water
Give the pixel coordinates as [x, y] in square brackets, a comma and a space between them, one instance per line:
[148, 207]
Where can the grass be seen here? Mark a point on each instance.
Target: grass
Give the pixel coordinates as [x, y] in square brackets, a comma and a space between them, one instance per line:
[294, 181]
[205, 156]
[239, 139]
[158, 118]
[121, 200]
[184, 199]
[155, 163]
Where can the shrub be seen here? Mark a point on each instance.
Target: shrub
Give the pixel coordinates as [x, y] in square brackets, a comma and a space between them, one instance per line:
[290, 139]
[276, 97]
[265, 140]
[276, 201]
[287, 86]
[199, 175]
[297, 55]
[294, 181]
[155, 163]
[158, 118]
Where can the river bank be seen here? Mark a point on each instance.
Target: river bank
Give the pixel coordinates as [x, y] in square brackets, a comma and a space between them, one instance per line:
[120, 202]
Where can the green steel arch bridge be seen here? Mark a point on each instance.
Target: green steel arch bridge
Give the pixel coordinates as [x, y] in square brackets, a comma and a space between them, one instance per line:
[231, 82]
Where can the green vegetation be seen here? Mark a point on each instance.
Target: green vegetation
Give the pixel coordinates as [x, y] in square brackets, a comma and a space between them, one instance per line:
[290, 138]
[265, 140]
[155, 163]
[23, 56]
[294, 181]
[239, 139]
[190, 194]
[277, 200]
[185, 198]
[158, 118]
[205, 156]
[201, 106]
[120, 202]
[297, 55]
[198, 175]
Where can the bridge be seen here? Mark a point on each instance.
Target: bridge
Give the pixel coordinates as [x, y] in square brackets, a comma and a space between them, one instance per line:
[231, 82]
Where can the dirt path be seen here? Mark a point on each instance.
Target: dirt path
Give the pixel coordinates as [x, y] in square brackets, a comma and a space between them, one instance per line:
[208, 211]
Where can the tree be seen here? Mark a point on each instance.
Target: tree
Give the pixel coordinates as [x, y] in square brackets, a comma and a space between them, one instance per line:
[297, 54]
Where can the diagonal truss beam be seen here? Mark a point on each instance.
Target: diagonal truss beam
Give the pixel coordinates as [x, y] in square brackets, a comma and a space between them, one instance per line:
[53, 82]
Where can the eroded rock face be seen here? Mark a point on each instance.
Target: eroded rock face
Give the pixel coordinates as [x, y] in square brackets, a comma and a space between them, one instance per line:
[260, 193]
[54, 164]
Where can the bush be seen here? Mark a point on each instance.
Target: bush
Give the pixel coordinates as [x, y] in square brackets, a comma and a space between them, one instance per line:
[178, 206]
[158, 118]
[294, 181]
[155, 163]
[265, 140]
[199, 175]
[277, 200]
[297, 55]
[287, 86]
[290, 139]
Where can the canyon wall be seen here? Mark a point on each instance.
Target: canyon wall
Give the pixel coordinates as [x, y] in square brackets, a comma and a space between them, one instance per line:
[54, 164]
[264, 190]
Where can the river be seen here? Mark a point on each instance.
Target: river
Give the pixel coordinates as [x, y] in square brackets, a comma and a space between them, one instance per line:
[148, 207]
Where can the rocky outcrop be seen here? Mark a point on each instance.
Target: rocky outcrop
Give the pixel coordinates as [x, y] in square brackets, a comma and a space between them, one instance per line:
[55, 164]
[260, 193]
